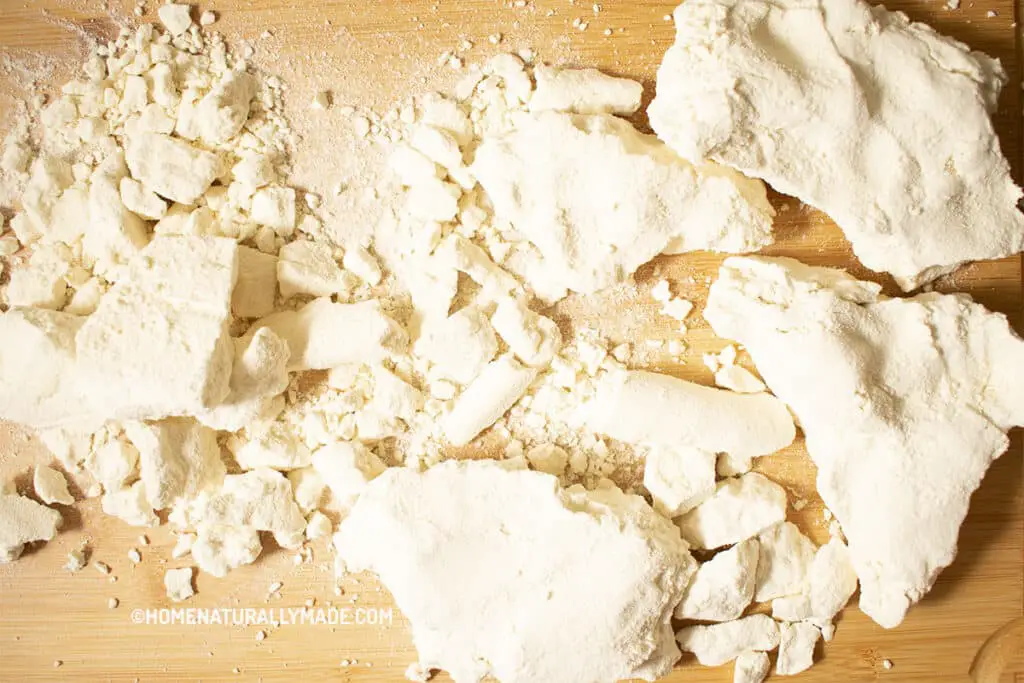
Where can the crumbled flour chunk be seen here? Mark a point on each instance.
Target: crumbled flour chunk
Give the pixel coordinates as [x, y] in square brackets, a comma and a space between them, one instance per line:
[259, 375]
[511, 551]
[141, 201]
[728, 375]
[130, 504]
[362, 264]
[548, 458]
[260, 499]
[308, 267]
[220, 114]
[678, 478]
[906, 383]
[178, 583]
[347, 468]
[219, 548]
[51, 486]
[830, 583]
[112, 461]
[751, 667]
[275, 208]
[796, 648]
[584, 91]
[498, 386]
[318, 525]
[69, 445]
[41, 386]
[307, 487]
[646, 407]
[468, 258]
[157, 345]
[275, 447]
[41, 282]
[171, 167]
[739, 508]
[785, 555]
[77, 559]
[723, 586]
[323, 334]
[717, 644]
[22, 521]
[176, 18]
[459, 346]
[598, 199]
[815, 98]
[533, 338]
[178, 458]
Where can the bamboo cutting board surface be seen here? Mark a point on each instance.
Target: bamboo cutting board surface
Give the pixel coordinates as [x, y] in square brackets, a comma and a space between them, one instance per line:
[369, 54]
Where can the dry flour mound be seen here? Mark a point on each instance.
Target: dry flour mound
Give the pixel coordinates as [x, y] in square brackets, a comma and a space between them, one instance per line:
[160, 226]
[904, 403]
[880, 122]
[536, 584]
[145, 185]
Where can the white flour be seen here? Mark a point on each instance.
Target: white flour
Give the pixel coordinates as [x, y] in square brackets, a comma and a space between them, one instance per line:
[205, 325]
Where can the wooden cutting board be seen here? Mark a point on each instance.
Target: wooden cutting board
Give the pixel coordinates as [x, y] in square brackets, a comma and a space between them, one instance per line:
[370, 54]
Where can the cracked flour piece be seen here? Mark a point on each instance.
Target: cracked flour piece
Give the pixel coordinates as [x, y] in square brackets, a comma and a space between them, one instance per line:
[39, 381]
[881, 123]
[308, 267]
[22, 520]
[178, 458]
[347, 468]
[796, 648]
[260, 499]
[221, 113]
[584, 91]
[499, 385]
[158, 344]
[830, 583]
[679, 478]
[51, 486]
[113, 463]
[178, 583]
[323, 334]
[740, 508]
[272, 446]
[130, 504]
[534, 338]
[599, 199]
[175, 18]
[459, 346]
[219, 548]
[784, 557]
[497, 570]
[647, 407]
[171, 167]
[723, 586]
[751, 667]
[717, 644]
[904, 403]
[258, 376]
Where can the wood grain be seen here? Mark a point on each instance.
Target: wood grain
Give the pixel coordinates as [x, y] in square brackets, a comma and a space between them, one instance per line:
[369, 54]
